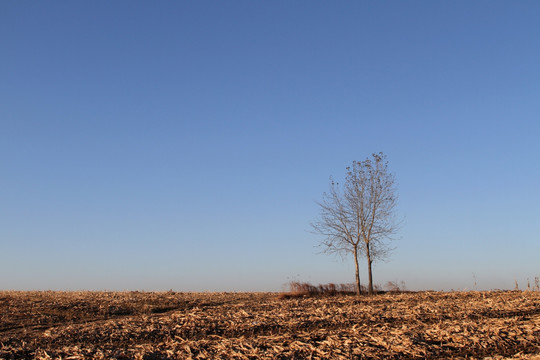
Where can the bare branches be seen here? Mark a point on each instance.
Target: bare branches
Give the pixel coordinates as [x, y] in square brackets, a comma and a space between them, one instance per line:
[360, 217]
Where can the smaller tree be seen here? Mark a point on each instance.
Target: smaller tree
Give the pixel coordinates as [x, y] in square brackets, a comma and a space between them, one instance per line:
[359, 217]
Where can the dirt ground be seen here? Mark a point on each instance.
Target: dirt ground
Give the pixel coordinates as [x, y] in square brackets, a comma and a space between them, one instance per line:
[169, 325]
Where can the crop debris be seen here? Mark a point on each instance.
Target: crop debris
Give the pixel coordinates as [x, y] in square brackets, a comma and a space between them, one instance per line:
[171, 325]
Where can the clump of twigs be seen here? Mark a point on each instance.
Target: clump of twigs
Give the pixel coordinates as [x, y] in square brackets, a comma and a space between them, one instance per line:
[306, 289]
[395, 287]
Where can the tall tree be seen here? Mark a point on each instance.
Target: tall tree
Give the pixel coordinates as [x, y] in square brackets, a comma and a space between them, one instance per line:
[359, 217]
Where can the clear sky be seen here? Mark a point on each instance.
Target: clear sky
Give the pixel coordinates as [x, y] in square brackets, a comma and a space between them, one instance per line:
[183, 145]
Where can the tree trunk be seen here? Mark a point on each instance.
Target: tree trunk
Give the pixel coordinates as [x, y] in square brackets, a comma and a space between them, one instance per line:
[358, 289]
[370, 276]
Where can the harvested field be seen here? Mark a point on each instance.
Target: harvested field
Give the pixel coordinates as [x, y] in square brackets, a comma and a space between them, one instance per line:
[149, 325]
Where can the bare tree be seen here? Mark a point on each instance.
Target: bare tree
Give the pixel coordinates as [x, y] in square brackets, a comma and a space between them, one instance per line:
[359, 218]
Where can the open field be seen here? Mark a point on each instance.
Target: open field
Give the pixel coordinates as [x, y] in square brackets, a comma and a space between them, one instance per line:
[148, 325]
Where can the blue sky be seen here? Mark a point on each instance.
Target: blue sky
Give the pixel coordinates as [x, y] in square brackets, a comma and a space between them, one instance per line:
[183, 145]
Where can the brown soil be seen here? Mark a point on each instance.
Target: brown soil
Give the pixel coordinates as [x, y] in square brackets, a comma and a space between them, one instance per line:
[149, 325]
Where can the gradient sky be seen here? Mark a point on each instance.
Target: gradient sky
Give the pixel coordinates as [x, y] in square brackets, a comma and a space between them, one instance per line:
[183, 145]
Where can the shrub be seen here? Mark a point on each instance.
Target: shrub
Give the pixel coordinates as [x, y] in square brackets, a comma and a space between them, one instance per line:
[300, 289]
